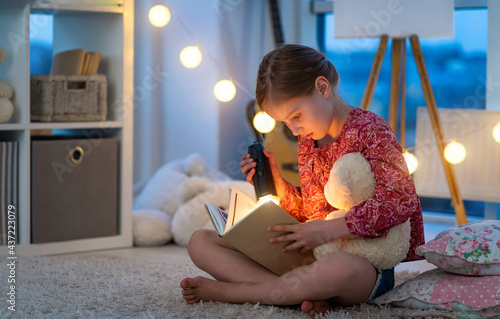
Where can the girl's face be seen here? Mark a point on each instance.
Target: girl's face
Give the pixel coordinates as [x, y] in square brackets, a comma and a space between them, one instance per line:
[307, 116]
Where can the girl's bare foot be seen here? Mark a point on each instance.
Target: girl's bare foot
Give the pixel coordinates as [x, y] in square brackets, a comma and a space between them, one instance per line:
[315, 307]
[201, 288]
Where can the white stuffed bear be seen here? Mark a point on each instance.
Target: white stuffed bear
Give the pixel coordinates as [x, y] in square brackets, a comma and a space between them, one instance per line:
[159, 201]
[351, 182]
[151, 227]
[197, 192]
[6, 107]
[162, 190]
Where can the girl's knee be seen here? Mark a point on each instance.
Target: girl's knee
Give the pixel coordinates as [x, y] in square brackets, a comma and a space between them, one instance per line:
[199, 240]
[348, 266]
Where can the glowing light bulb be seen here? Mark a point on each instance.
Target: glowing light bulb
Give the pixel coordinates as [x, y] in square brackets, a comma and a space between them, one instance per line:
[190, 57]
[411, 161]
[454, 152]
[496, 132]
[263, 122]
[224, 90]
[159, 16]
[268, 198]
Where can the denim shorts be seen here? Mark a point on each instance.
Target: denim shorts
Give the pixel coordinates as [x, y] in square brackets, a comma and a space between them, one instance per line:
[384, 283]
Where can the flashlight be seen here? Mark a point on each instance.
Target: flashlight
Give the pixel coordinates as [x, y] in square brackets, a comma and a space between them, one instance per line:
[263, 178]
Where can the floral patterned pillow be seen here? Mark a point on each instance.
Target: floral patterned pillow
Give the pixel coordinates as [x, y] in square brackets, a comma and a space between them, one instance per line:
[459, 296]
[470, 249]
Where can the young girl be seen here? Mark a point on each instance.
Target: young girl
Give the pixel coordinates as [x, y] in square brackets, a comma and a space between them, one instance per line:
[297, 85]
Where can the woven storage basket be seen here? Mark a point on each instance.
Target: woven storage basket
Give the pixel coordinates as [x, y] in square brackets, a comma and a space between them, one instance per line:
[68, 98]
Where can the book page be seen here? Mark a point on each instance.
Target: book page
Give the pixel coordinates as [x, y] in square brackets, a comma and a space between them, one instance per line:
[218, 217]
[239, 206]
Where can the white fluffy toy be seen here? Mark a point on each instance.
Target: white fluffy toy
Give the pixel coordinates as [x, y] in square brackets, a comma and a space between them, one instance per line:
[351, 182]
[172, 204]
[158, 202]
[6, 91]
[194, 194]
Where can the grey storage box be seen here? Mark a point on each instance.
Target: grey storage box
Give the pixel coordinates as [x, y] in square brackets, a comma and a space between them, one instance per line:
[74, 189]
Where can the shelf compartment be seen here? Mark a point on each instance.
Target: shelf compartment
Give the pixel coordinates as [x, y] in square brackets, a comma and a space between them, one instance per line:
[14, 38]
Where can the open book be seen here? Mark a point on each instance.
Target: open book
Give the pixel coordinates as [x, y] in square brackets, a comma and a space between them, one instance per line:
[244, 226]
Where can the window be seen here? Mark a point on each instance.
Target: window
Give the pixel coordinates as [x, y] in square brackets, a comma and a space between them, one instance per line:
[455, 66]
[40, 43]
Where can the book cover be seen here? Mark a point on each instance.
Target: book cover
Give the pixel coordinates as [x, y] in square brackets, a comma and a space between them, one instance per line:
[93, 59]
[68, 62]
[245, 225]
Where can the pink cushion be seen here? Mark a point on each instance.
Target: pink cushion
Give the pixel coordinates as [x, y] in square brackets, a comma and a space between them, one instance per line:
[462, 296]
[471, 249]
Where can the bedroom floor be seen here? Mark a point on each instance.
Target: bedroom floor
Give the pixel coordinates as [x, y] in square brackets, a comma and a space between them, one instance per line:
[433, 224]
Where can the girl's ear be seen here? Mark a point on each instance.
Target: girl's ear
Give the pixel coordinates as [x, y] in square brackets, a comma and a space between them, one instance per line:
[323, 86]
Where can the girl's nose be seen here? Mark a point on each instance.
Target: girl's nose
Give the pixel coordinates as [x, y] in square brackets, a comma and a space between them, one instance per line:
[296, 130]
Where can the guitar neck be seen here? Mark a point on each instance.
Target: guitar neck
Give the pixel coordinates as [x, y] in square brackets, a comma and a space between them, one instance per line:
[275, 15]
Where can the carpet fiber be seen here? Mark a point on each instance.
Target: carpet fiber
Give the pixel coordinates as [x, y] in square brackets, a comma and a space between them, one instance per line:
[107, 287]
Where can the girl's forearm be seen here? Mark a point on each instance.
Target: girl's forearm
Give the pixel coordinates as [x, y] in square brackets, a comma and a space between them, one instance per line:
[336, 228]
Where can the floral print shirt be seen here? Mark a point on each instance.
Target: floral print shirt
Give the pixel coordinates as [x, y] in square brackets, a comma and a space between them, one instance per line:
[395, 199]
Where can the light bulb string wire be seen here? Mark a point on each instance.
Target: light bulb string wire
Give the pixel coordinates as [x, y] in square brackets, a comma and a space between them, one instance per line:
[205, 51]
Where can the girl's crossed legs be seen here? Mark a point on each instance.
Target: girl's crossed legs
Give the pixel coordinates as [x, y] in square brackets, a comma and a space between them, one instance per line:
[340, 277]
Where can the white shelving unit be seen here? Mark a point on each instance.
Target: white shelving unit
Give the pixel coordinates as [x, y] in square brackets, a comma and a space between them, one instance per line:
[80, 24]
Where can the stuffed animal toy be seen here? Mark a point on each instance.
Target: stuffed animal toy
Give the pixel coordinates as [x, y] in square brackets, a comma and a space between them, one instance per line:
[351, 182]
[171, 205]
[161, 193]
[158, 201]
[194, 194]
[151, 227]
[6, 107]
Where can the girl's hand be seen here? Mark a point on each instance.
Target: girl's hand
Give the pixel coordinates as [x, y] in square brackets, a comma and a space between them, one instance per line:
[247, 165]
[311, 234]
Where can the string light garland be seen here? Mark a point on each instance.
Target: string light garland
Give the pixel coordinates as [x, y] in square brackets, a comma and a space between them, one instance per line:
[263, 122]
[225, 90]
[454, 152]
[411, 161]
[194, 55]
[496, 132]
[190, 57]
[159, 16]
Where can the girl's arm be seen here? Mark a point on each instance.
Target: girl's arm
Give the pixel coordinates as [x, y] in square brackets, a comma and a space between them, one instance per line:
[395, 199]
[289, 195]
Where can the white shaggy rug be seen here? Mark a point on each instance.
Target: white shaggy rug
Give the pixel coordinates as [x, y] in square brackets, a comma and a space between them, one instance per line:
[109, 287]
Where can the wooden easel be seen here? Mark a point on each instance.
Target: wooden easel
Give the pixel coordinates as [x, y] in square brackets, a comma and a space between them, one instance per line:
[398, 79]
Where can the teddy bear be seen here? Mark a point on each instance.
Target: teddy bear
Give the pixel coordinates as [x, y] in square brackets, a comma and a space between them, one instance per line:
[194, 194]
[6, 107]
[172, 203]
[350, 183]
[159, 200]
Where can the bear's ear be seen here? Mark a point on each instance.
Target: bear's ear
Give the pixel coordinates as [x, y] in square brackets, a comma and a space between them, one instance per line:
[194, 165]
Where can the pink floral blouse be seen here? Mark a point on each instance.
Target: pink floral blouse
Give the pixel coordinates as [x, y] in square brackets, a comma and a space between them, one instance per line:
[395, 199]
